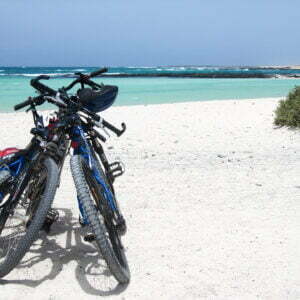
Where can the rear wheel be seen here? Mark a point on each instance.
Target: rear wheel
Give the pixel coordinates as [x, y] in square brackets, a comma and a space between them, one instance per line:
[100, 218]
[21, 221]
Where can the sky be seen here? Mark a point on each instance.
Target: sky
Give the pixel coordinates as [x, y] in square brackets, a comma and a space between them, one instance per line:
[149, 33]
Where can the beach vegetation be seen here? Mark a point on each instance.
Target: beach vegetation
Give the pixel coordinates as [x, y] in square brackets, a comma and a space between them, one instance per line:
[288, 110]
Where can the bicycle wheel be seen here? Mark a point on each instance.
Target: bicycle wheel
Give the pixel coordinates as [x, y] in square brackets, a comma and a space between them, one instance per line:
[21, 221]
[95, 207]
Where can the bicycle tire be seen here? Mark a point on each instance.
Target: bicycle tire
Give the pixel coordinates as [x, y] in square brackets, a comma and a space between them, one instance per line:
[15, 254]
[103, 234]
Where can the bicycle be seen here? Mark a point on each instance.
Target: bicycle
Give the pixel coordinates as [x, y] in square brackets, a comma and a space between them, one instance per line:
[28, 183]
[75, 127]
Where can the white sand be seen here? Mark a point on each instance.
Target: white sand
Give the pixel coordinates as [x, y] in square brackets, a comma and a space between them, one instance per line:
[212, 200]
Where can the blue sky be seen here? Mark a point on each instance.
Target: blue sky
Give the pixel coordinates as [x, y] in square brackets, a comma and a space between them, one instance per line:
[145, 33]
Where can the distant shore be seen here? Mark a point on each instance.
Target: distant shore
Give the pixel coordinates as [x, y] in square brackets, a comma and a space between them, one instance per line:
[292, 67]
[201, 75]
[220, 72]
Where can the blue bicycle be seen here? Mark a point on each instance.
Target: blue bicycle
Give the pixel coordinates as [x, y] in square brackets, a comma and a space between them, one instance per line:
[75, 127]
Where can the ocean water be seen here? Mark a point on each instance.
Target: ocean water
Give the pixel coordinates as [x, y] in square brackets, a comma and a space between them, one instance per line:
[154, 71]
[15, 86]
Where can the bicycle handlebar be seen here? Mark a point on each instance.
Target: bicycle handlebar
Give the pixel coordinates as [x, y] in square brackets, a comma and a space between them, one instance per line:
[48, 94]
[23, 104]
[42, 88]
[98, 72]
[83, 78]
[91, 114]
[112, 128]
[41, 99]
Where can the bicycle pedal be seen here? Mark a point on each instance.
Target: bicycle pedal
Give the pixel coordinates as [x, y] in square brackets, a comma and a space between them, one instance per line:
[116, 169]
[90, 237]
[52, 215]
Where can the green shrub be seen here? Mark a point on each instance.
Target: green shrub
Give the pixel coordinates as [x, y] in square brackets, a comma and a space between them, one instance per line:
[288, 110]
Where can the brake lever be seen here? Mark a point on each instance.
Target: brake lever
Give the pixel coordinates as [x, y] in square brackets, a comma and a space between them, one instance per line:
[105, 131]
[122, 130]
[100, 125]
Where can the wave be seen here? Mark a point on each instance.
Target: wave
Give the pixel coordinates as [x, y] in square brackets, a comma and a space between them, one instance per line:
[79, 70]
[38, 74]
[107, 74]
[34, 75]
[141, 67]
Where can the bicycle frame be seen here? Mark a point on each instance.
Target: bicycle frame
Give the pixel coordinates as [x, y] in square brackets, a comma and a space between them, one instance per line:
[23, 163]
[15, 167]
[84, 149]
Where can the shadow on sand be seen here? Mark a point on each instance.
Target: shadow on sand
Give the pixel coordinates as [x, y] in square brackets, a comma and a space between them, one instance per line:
[91, 271]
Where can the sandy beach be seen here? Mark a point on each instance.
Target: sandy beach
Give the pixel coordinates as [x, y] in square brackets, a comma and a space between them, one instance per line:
[211, 195]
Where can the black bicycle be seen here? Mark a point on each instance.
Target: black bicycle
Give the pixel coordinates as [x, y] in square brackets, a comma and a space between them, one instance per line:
[75, 127]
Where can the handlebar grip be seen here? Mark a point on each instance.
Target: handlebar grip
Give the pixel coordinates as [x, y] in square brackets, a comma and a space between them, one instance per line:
[41, 87]
[23, 104]
[98, 72]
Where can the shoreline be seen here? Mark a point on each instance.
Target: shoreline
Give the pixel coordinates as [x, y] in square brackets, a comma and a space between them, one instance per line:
[40, 108]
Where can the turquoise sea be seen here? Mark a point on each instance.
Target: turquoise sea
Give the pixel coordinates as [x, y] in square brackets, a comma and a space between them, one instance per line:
[15, 85]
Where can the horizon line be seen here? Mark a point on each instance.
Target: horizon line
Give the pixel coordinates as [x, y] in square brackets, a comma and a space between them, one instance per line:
[154, 66]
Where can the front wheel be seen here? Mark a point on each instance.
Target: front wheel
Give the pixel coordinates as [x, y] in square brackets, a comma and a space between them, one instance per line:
[21, 221]
[94, 204]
